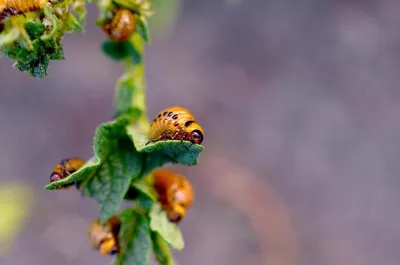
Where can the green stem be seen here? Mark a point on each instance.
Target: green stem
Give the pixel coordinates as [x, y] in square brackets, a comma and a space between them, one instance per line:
[137, 70]
[131, 87]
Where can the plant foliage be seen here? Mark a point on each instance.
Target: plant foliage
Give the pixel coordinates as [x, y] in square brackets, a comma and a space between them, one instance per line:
[122, 163]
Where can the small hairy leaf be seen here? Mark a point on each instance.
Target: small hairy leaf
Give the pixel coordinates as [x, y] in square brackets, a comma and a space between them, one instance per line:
[121, 50]
[161, 250]
[142, 29]
[134, 239]
[169, 231]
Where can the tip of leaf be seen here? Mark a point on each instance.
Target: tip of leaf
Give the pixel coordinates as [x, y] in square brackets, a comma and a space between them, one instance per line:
[176, 151]
[76, 176]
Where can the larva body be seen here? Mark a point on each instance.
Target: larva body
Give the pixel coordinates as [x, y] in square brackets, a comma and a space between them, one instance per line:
[104, 238]
[175, 123]
[65, 168]
[175, 192]
[14, 7]
[121, 27]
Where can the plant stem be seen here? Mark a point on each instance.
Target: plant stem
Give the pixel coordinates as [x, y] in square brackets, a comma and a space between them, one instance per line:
[131, 87]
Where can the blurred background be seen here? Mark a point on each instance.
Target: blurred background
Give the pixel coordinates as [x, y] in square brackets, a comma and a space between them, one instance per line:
[300, 105]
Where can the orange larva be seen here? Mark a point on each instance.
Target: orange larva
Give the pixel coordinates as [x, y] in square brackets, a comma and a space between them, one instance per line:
[175, 192]
[121, 27]
[175, 123]
[104, 238]
[65, 168]
[14, 7]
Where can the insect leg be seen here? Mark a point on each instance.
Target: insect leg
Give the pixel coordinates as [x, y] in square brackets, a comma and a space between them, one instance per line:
[176, 134]
[163, 136]
[183, 136]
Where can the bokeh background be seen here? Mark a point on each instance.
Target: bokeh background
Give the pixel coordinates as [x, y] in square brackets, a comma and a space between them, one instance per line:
[300, 104]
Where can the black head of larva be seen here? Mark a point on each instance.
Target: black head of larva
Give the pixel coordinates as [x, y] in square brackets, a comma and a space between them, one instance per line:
[196, 137]
[195, 132]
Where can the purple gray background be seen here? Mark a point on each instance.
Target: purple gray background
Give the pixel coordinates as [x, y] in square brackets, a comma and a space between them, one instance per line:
[300, 105]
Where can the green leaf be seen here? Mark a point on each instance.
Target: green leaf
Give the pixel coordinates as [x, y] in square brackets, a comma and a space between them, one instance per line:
[116, 164]
[120, 163]
[121, 50]
[169, 231]
[142, 28]
[134, 239]
[161, 250]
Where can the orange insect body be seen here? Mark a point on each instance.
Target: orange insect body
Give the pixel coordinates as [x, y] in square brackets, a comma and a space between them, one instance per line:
[121, 27]
[14, 7]
[175, 123]
[176, 194]
[65, 168]
[104, 238]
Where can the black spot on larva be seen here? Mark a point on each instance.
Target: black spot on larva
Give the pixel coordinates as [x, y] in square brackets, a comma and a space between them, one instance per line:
[154, 120]
[159, 115]
[175, 117]
[188, 123]
[169, 114]
[165, 113]
[176, 124]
